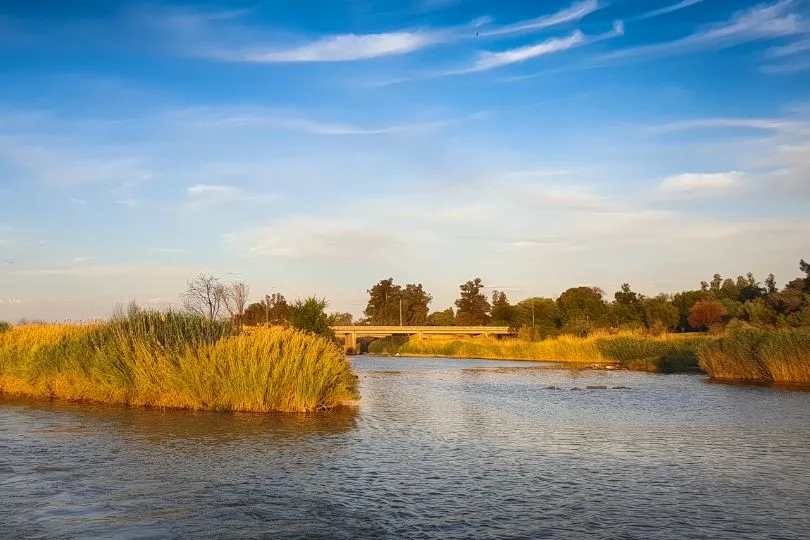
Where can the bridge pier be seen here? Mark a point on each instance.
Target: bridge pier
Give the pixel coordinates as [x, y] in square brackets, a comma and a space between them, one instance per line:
[350, 343]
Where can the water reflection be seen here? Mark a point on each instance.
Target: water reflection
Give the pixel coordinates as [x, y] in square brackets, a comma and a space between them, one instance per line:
[168, 427]
[438, 448]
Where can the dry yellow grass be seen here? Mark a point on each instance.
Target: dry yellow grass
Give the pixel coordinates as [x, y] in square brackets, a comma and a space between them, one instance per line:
[630, 348]
[142, 363]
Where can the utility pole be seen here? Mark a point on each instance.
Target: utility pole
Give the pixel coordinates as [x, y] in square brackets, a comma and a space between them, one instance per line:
[267, 310]
[532, 312]
[400, 311]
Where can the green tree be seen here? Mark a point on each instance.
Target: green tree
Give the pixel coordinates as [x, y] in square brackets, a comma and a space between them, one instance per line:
[340, 319]
[310, 316]
[415, 302]
[627, 308]
[441, 318]
[390, 304]
[473, 306]
[502, 312]
[383, 303]
[583, 305]
[770, 284]
[660, 312]
[805, 267]
[540, 314]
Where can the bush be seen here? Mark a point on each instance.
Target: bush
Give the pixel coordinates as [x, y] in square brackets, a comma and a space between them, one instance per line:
[4, 326]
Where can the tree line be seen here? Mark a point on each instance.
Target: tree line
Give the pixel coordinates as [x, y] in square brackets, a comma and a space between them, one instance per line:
[578, 310]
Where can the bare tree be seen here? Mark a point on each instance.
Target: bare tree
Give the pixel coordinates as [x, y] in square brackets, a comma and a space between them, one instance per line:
[203, 296]
[234, 298]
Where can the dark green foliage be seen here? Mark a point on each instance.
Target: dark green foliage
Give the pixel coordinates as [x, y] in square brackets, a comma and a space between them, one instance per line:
[502, 312]
[310, 316]
[542, 314]
[473, 306]
[4, 326]
[665, 356]
[441, 318]
[388, 345]
[340, 319]
[389, 304]
[582, 308]
[273, 309]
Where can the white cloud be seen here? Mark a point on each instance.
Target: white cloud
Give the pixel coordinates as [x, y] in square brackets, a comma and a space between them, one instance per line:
[339, 48]
[743, 123]
[313, 238]
[761, 22]
[790, 49]
[129, 203]
[575, 12]
[701, 184]
[667, 9]
[198, 190]
[284, 120]
[10, 301]
[490, 60]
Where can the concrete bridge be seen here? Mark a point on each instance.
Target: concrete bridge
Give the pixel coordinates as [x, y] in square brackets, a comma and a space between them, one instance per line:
[351, 334]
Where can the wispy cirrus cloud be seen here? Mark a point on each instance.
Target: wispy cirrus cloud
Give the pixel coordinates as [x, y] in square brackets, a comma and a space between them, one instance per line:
[337, 48]
[735, 123]
[205, 35]
[487, 60]
[575, 12]
[287, 121]
[666, 10]
[765, 21]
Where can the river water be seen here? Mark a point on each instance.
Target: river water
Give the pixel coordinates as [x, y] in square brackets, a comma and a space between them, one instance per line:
[438, 448]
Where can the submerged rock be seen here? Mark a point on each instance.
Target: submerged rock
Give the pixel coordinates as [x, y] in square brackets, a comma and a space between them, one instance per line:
[596, 387]
[551, 388]
[621, 388]
[576, 388]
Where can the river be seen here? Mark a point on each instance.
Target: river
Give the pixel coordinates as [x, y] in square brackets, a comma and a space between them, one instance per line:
[437, 448]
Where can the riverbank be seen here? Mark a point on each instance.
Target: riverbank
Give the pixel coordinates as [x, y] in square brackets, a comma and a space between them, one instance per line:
[179, 361]
[668, 353]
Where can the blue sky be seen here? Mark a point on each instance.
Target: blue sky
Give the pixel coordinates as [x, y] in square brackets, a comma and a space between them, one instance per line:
[318, 147]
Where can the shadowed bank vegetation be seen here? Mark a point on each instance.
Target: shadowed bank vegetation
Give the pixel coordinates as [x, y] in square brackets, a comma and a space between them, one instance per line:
[633, 350]
[745, 352]
[176, 360]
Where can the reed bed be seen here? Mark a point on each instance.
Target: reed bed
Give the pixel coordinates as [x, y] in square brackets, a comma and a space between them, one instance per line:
[631, 349]
[747, 353]
[176, 361]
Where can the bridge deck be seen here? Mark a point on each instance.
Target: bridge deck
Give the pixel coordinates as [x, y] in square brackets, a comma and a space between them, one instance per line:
[351, 334]
[362, 330]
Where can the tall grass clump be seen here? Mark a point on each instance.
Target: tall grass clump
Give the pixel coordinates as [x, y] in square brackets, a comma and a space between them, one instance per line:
[178, 361]
[4, 326]
[755, 354]
[631, 349]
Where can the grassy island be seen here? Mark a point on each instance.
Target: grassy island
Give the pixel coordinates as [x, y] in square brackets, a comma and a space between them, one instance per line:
[632, 350]
[176, 360]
